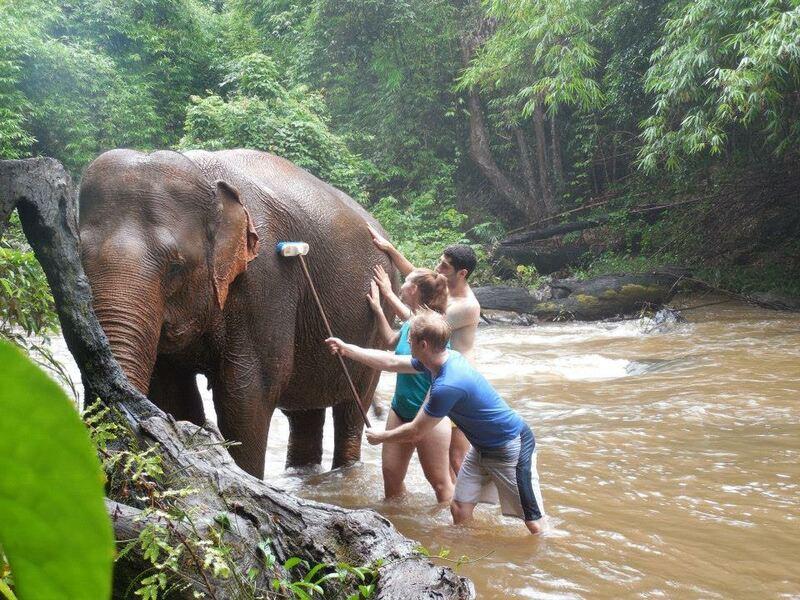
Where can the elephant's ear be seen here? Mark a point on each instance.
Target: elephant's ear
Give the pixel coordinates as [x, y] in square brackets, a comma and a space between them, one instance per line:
[236, 240]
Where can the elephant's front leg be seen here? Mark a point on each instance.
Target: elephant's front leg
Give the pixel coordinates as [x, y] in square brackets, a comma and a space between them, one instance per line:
[347, 428]
[174, 390]
[305, 437]
[244, 400]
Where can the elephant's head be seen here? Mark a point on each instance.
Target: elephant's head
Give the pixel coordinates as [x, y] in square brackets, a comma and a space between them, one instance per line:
[161, 245]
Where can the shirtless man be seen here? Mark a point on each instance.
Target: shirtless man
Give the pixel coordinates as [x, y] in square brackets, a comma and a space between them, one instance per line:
[463, 312]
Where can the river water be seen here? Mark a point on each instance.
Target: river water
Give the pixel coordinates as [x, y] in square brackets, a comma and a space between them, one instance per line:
[669, 461]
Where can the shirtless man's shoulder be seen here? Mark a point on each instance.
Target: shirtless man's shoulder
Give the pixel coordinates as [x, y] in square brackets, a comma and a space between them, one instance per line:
[463, 315]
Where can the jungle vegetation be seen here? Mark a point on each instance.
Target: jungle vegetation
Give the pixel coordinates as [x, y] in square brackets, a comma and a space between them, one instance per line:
[451, 120]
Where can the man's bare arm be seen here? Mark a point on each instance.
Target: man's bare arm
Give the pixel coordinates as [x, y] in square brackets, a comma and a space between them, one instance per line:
[401, 262]
[464, 313]
[377, 359]
[463, 317]
[408, 432]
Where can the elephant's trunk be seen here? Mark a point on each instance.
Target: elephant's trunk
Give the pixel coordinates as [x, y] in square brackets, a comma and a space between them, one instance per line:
[130, 308]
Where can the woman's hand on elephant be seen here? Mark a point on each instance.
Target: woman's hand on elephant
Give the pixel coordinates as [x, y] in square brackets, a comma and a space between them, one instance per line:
[381, 278]
[380, 242]
[374, 296]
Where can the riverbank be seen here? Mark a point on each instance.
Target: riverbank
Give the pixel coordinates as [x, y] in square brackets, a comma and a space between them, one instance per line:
[735, 231]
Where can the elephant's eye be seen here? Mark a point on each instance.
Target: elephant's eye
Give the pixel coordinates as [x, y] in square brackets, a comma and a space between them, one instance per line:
[174, 269]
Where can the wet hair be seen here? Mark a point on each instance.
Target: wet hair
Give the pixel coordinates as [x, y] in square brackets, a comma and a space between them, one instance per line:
[461, 256]
[432, 289]
[431, 327]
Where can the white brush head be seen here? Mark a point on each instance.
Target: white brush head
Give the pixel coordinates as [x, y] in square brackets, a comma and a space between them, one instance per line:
[291, 248]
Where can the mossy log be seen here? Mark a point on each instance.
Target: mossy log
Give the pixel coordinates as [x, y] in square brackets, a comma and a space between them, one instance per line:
[44, 196]
[590, 300]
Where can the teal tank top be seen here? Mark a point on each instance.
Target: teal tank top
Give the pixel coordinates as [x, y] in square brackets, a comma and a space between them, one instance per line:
[411, 389]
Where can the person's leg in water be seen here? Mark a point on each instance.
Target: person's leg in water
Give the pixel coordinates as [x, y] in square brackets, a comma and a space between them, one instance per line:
[535, 527]
[461, 511]
[394, 461]
[468, 488]
[433, 457]
[459, 446]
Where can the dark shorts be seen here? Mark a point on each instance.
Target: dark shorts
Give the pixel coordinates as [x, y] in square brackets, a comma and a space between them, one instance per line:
[506, 475]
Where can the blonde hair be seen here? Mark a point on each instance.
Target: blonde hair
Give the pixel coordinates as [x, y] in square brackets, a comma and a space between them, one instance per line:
[431, 327]
[432, 289]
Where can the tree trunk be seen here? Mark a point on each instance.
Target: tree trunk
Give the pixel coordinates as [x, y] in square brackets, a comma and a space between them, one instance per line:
[479, 147]
[43, 193]
[558, 166]
[481, 152]
[536, 210]
[541, 155]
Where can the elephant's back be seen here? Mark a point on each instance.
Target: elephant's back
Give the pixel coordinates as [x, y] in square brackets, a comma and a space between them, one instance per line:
[288, 203]
[287, 182]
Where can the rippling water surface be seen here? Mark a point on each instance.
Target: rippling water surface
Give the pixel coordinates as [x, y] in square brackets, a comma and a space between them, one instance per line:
[669, 461]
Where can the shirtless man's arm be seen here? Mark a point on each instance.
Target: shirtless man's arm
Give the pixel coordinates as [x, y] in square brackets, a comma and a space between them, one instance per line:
[400, 262]
[463, 315]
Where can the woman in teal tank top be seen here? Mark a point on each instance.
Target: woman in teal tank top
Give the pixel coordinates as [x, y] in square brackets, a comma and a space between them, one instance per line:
[422, 288]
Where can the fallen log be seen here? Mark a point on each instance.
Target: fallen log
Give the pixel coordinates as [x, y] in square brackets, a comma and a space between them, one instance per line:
[552, 248]
[43, 193]
[589, 300]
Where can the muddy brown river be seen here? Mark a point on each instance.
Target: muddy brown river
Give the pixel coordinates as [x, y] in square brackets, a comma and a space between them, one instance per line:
[669, 461]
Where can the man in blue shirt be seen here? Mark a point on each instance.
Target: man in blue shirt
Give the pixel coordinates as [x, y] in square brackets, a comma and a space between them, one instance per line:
[501, 466]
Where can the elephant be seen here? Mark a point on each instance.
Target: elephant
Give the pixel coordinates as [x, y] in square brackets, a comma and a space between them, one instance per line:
[179, 250]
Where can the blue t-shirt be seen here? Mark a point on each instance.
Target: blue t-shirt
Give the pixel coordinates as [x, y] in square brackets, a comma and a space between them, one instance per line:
[461, 393]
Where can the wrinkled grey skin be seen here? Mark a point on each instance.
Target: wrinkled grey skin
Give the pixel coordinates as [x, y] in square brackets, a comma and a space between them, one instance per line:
[183, 286]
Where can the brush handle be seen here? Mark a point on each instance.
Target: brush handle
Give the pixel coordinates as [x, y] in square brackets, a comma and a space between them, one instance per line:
[330, 334]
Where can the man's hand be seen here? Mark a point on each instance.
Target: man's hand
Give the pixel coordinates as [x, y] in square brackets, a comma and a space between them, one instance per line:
[374, 297]
[381, 278]
[336, 345]
[374, 437]
[381, 242]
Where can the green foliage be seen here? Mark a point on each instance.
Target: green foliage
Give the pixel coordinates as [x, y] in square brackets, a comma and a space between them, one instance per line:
[260, 112]
[422, 229]
[771, 277]
[25, 301]
[164, 46]
[540, 52]
[27, 310]
[14, 138]
[614, 262]
[55, 530]
[80, 77]
[326, 580]
[387, 69]
[444, 555]
[725, 66]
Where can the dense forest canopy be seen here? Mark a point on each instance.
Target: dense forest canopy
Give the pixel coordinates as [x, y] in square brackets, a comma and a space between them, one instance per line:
[452, 120]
